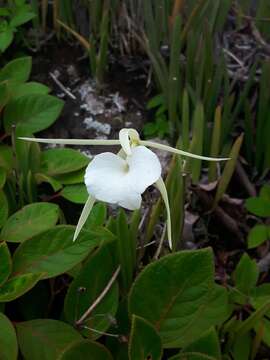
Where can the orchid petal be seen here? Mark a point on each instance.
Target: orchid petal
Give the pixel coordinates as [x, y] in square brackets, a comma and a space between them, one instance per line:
[163, 191]
[144, 168]
[84, 215]
[179, 152]
[72, 141]
[115, 180]
[127, 135]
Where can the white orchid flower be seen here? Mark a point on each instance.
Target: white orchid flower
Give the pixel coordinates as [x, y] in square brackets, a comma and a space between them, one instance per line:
[122, 179]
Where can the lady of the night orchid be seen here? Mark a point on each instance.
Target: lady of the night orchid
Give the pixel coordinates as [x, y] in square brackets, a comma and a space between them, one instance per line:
[123, 177]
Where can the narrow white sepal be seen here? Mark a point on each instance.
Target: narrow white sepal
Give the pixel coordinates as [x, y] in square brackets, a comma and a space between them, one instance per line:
[84, 215]
[179, 152]
[72, 141]
[163, 191]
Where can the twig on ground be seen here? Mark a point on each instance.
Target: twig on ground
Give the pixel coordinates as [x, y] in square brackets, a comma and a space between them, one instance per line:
[62, 87]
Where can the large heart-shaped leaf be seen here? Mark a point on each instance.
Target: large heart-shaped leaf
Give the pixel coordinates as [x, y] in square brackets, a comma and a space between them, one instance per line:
[45, 339]
[86, 287]
[6, 38]
[71, 178]
[144, 342]
[17, 286]
[54, 252]
[18, 70]
[182, 300]
[246, 274]
[21, 18]
[5, 262]
[86, 349]
[75, 193]
[3, 177]
[97, 216]
[33, 112]
[29, 221]
[6, 157]
[8, 339]
[29, 88]
[259, 206]
[206, 347]
[3, 208]
[62, 161]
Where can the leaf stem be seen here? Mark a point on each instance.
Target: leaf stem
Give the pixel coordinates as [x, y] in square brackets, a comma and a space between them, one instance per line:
[99, 298]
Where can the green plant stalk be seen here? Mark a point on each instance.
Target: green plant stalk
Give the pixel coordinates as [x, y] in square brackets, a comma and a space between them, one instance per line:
[249, 143]
[174, 76]
[185, 120]
[44, 12]
[262, 118]
[215, 145]
[102, 56]
[252, 320]
[228, 170]
[257, 340]
[177, 191]
[197, 141]
[126, 251]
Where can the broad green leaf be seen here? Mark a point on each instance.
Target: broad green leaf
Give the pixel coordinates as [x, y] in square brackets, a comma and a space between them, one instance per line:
[45, 339]
[29, 221]
[53, 252]
[34, 112]
[258, 206]
[260, 295]
[3, 208]
[75, 177]
[4, 94]
[86, 349]
[144, 341]
[208, 344]
[218, 308]
[18, 70]
[6, 157]
[156, 101]
[192, 355]
[84, 290]
[258, 235]
[29, 89]
[62, 161]
[246, 274]
[21, 18]
[40, 178]
[182, 300]
[5, 263]
[8, 340]
[75, 193]
[2, 177]
[6, 38]
[17, 286]
[97, 216]
[265, 192]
